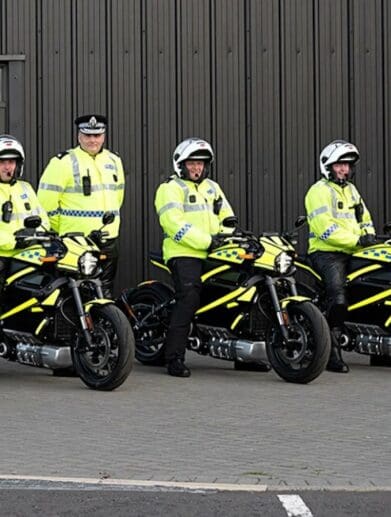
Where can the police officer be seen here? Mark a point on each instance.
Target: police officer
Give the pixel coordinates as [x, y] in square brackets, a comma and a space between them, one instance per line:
[190, 207]
[17, 201]
[340, 223]
[79, 185]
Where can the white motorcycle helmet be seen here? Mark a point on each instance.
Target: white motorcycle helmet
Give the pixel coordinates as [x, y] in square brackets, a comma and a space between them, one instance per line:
[336, 152]
[192, 149]
[10, 148]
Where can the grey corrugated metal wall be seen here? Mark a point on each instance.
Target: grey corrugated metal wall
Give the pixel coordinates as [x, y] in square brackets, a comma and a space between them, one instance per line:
[268, 82]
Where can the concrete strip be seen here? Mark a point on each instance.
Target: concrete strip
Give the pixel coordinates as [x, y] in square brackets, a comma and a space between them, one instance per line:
[140, 483]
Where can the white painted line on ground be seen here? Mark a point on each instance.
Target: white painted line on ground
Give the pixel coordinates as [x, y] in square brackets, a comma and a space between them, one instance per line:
[184, 485]
[294, 506]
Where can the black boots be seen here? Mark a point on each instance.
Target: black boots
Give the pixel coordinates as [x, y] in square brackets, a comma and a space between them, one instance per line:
[177, 368]
[336, 363]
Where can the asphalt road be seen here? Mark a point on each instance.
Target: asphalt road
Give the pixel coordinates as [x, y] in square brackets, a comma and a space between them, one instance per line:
[217, 427]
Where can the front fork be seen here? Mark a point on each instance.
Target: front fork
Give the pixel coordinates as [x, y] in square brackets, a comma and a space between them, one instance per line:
[84, 317]
[281, 313]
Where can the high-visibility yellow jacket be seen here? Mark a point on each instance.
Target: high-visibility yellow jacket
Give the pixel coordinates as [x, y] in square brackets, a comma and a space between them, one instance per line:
[24, 203]
[185, 211]
[331, 216]
[69, 207]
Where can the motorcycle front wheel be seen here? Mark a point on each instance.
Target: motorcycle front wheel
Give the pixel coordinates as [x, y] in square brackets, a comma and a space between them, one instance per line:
[106, 363]
[303, 357]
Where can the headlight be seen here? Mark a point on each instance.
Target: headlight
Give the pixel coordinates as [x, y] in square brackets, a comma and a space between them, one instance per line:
[283, 263]
[88, 264]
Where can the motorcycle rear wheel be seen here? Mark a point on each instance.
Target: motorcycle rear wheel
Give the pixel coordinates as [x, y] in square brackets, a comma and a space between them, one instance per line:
[305, 357]
[107, 364]
[150, 337]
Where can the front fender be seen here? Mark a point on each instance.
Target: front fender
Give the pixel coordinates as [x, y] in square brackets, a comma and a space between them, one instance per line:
[296, 299]
[99, 301]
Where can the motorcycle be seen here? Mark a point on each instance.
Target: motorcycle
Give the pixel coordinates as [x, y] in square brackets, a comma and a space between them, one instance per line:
[367, 327]
[54, 314]
[250, 310]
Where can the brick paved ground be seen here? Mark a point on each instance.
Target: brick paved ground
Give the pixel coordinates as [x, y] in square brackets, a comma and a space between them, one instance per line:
[218, 426]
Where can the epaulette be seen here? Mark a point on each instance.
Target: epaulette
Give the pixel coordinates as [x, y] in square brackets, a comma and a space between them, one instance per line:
[116, 153]
[170, 178]
[62, 154]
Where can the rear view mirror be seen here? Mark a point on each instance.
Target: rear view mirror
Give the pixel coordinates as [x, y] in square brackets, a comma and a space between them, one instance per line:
[108, 218]
[387, 228]
[300, 221]
[231, 221]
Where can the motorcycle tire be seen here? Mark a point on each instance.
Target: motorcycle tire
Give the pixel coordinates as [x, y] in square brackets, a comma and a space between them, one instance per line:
[305, 357]
[150, 346]
[108, 363]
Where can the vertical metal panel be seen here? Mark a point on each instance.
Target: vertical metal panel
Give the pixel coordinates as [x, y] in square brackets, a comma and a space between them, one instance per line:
[298, 91]
[229, 96]
[126, 130]
[264, 115]
[194, 78]
[159, 105]
[90, 56]
[385, 118]
[20, 38]
[333, 79]
[55, 79]
[368, 105]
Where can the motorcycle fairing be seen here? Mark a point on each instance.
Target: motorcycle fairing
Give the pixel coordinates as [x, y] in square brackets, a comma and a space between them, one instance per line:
[220, 301]
[52, 298]
[18, 274]
[362, 271]
[237, 320]
[372, 299]
[31, 255]
[214, 272]
[296, 299]
[99, 301]
[379, 253]
[19, 308]
[273, 245]
[228, 253]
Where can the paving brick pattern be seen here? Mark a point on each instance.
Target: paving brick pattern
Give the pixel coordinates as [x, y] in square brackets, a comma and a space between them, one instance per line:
[218, 426]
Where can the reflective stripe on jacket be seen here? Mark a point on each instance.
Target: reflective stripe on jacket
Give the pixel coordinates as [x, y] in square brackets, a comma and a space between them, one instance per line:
[185, 211]
[331, 216]
[61, 191]
[24, 203]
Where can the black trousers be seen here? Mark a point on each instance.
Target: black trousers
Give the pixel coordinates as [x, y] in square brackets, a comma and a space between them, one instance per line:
[332, 266]
[109, 266]
[186, 275]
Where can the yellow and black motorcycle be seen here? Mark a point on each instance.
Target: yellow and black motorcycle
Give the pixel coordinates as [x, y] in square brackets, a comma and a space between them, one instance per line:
[53, 312]
[250, 311]
[367, 328]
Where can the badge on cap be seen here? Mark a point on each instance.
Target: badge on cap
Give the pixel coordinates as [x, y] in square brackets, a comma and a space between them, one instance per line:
[91, 124]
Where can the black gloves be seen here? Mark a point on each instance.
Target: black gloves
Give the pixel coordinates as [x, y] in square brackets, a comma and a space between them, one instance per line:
[96, 237]
[217, 241]
[20, 237]
[367, 239]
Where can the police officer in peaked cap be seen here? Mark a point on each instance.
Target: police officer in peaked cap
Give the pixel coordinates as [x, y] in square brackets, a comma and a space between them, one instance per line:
[79, 185]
